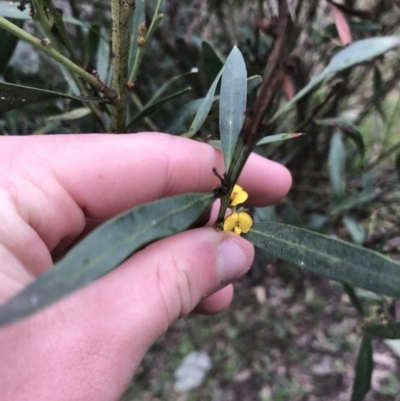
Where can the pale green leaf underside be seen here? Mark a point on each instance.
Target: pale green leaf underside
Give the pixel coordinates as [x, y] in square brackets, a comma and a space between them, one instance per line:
[232, 104]
[105, 249]
[356, 53]
[334, 259]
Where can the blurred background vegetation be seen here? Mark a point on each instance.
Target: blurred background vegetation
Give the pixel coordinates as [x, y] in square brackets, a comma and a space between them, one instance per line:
[289, 335]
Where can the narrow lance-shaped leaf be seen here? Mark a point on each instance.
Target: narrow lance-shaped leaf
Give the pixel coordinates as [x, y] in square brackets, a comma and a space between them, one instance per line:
[71, 115]
[165, 86]
[177, 123]
[105, 249]
[138, 22]
[397, 164]
[232, 104]
[204, 108]
[268, 139]
[147, 110]
[103, 58]
[92, 44]
[364, 368]
[252, 84]
[378, 92]
[334, 259]
[15, 96]
[347, 129]
[354, 54]
[9, 9]
[337, 165]
[8, 44]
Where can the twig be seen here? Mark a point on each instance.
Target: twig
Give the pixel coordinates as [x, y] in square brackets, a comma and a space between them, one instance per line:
[121, 11]
[45, 46]
[142, 47]
[254, 117]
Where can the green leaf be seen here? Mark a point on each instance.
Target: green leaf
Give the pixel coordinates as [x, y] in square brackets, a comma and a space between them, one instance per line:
[138, 18]
[385, 331]
[103, 58]
[363, 373]
[347, 129]
[355, 26]
[397, 164]
[334, 259]
[105, 249]
[356, 232]
[355, 201]
[337, 165]
[8, 9]
[268, 139]
[356, 53]
[8, 44]
[179, 122]
[204, 108]
[278, 137]
[147, 110]
[14, 96]
[290, 215]
[232, 103]
[71, 115]
[211, 61]
[164, 87]
[354, 298]
[92, 44]
[378, 92]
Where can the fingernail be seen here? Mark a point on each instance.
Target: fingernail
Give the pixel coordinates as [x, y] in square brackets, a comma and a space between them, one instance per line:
[233, 260]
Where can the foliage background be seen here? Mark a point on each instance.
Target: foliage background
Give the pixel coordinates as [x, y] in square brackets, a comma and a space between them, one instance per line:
[289, 335]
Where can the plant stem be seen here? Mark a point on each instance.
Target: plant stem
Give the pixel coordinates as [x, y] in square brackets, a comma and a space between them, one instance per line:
[59, 22]
[47, 48]
[121, 11]
[143, 46]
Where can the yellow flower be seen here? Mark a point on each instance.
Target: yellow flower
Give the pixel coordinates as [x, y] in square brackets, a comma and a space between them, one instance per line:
[238, 222]
[238, 196]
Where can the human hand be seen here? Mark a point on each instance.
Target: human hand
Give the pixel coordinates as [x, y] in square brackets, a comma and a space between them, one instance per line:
[53, 190]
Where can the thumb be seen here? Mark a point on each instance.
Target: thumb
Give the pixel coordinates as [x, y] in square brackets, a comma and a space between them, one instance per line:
[104, 330]
[165, 281]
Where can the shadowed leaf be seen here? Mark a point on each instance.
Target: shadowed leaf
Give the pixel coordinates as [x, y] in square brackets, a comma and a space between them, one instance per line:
[15, 96]
[337, 165]
[347, 129]
[334, 259]
[385, 331]
[105, 249]
[8, 44]
[92, 44]
[363, 371]
[211, 61]
[147, 110]
[103, 58]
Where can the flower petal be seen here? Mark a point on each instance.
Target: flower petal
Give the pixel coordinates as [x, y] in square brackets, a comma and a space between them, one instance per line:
[238, 195]
[245, 222]
[237, 230]
[231, 222]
